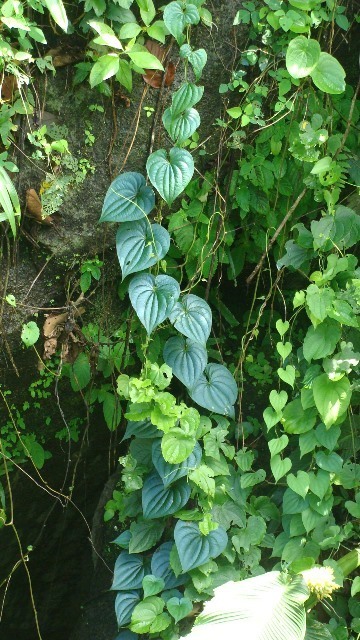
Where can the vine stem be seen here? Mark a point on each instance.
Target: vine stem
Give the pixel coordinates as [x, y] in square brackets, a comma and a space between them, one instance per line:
[277, 232]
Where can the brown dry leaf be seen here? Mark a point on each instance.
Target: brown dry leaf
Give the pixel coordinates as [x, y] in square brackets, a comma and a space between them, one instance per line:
[153, 77]
[34, 208]
[54, 330]
[52, 322]
[61, 56]
[8, 88]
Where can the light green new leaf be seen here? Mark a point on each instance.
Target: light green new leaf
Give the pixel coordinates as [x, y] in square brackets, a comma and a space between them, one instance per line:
[30, 333]
[302, 56]
[332, 397]
[145, 60]
[170, 174]
[256, 608]
[105, 67]
[106, 34]
[280, 466]
[57, 11]
[328, 75]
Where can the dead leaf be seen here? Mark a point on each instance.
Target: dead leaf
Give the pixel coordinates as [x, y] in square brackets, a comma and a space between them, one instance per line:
[8, 87]
[154, 77]
[55, 331]
[34, 208]
[63, 56]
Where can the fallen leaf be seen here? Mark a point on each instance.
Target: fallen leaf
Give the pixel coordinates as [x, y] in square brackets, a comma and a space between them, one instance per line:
[154, 77]
[63, 56]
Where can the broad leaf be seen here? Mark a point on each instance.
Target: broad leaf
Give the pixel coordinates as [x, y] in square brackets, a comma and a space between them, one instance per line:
[302, 56]
[321, 341]
[329, 75]
[127, 199]
[125, 603]
[186, 358]
[192, 317]
[30, 333]
[105, 67]
[170, 174]
[176, 446]
[146, 613]
[143, 429]
[160, 566]
[128, 572]
[332, 398]
[57, 11]
[177, 15]
[179, 608]
[145, 60]
[140, 245]
[259, 608]
[159, 501]
[181, 127]
[197, 58]
[215, 390]
[169, 473]
[194, 548]
[152, 585]
[153, 298]
[186, 97]
[144, 535]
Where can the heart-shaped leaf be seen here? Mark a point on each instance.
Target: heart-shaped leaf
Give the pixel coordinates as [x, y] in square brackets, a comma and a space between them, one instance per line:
[144, 535]
[280, 466]
[179, 608]
[278, 444]
[128, 572]
[142, 429]
[278, 400]
[299, 483]
[319, 483]
[215, 390]
[125, 603]
[140, 245]
[284, 349]
[169, 473]
[170, 176]
[186, 97]
[181, 127]
[271, 418]
[329, 75]
[127, 199]
[282, 327]
[152, 585]
[176, 445]
[194, 548]
[186, 358]
[177, 15]
[153, 298]
[192, 317]
[159, 501]
[197, 58]
[287, 375]
[160, 566]
[302, 56]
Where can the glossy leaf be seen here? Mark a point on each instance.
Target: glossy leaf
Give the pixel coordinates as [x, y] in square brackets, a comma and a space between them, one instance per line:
[128, 572]
[169, 473]
[194, 548]
[127, 199]
[186, 358]
[153, 298]
[143, 429]
[332, 398]
[125, 603]
[302, 56]
[186, 97]
[215, 390]
[160, 567]
[197, 58]
[192, 317]
[329, 75]
[181, 127]
[159, 501]
[178, 15]
[140, 245]
[145, 60]
[57, 11]
[105, 67]
[170, 174]
[144, 535]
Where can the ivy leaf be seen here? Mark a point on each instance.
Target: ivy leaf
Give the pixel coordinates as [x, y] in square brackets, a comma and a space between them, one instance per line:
[215, 390]
[125, 603]
[186, 97]
[299, 483]
[328, 75]
[179, 608]
[144, 535]
[57, 11]
[140, 245]
[159, 501]
[169, 473]
[105, 67]
[186, 358]
[302, 56]
[195, 549]
[192, 317]
[177, 16]
[197, 58]
[30, 333]
[153, 298]
[160, 566]
[127, 199]
[176, 446]
[280, 466]
[332, 398]
[181, 127]
[170, 176]
[128, 572]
